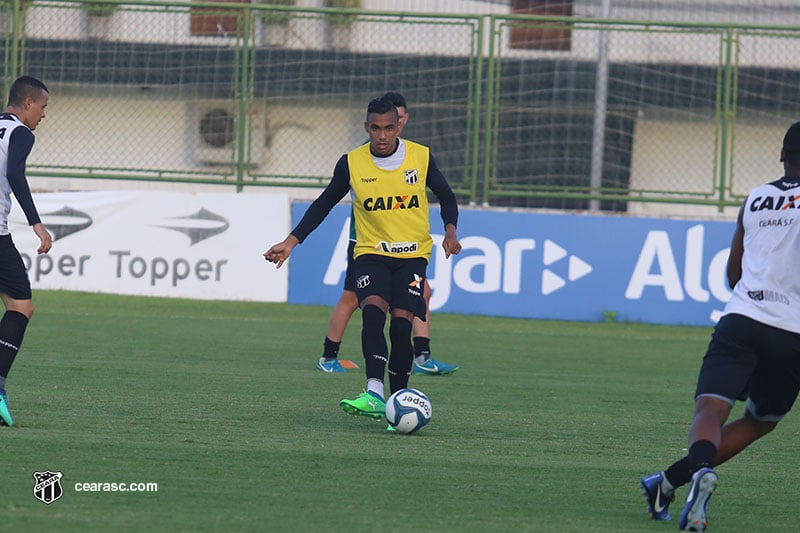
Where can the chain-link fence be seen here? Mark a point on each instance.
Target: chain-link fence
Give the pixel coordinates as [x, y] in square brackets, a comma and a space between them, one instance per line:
[680, 113]
[519, 110]
[247, 94]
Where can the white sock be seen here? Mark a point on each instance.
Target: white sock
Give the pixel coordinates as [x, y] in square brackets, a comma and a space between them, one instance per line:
[666, 486]
[376, 386]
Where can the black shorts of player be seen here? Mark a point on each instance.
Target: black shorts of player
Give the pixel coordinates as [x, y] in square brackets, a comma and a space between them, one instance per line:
[401, 282]
[349, 276]
[13, 276]
[749, 359]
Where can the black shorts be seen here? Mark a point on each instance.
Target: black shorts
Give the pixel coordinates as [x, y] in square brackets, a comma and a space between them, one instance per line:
[748, 359]
[13, 276]
[349, 276]
[401, 282]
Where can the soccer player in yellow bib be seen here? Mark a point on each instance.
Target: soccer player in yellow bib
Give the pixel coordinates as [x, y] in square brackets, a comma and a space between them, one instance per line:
[388, 179]
[348, 302]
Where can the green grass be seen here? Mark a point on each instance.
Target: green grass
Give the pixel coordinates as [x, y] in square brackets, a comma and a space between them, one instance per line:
[548, 426]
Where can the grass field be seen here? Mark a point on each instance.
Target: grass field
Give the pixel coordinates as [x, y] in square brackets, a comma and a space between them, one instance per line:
[548, 426]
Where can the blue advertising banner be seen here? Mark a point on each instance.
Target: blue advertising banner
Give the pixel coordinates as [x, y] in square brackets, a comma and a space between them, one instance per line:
[548, 266]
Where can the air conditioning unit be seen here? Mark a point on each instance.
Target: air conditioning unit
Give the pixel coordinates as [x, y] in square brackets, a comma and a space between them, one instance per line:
[216, 130]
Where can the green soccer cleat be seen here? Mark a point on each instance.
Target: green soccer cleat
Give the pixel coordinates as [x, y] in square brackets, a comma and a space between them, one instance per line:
[390, 428]
[432, 367]
[367, 404]
[5, 415]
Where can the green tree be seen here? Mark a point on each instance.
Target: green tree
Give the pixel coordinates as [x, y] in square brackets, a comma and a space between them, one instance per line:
[99, 9]
[342, 19]
[277, 17]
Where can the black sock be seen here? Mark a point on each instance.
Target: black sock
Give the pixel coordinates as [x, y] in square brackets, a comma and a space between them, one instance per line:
[330, 349]
[422, 347]
[701, 455]
[12, 330]
[680, 473]
[373, 342]
[402, 354]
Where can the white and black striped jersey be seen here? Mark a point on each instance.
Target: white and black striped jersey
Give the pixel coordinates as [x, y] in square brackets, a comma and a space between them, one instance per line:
[16, 142]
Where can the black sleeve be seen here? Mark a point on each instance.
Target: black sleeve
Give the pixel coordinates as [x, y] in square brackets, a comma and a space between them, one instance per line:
[19, 147]
[319, 209]
[447, 199]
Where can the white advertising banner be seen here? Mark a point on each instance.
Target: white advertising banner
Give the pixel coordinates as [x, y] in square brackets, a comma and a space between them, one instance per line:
[206, 246]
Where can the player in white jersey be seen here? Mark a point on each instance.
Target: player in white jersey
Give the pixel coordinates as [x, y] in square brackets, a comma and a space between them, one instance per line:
[754, 353]
[27, 100]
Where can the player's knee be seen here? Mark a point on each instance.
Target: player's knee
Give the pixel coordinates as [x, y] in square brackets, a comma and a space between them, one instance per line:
[400, 330]
[711, 408]
[350, 300]
[24, 307]
[373, 317]
[375, 301]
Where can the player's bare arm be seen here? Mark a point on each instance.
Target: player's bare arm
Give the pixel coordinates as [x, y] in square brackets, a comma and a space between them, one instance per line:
[450, 242]
[46, 240]
[280, 252]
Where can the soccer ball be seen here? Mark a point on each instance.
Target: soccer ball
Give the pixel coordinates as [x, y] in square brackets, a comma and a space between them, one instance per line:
[408, 410]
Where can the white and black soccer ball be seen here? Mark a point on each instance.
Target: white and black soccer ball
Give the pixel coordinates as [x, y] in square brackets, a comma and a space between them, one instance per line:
[408, 410]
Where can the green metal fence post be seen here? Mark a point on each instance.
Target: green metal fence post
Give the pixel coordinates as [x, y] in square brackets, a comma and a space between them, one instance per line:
[244, 88]
[474, 111]
[726, 110]
[14, 45]
[492, 112]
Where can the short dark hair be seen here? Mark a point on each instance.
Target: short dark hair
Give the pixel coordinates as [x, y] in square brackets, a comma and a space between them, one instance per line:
[791, 144]
[25, 87]
[396, 98]
[380, 106]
